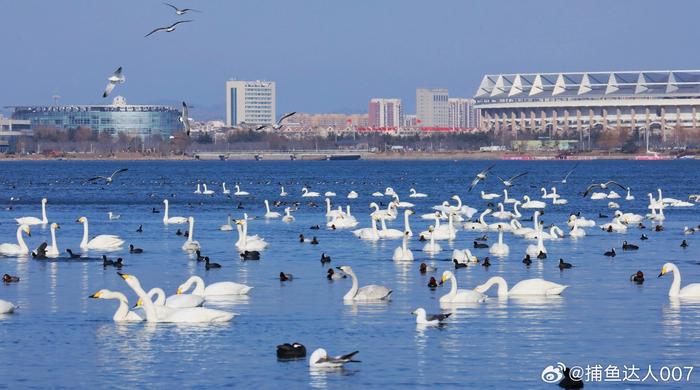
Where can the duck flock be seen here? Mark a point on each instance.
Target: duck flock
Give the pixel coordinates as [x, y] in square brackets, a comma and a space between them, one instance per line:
[500, 221]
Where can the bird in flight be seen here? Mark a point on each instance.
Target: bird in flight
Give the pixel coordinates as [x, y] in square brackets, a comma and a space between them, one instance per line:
[107, 179]
[603, 186]
[116, 77]
[509, 182]
[185, 118]
[170, 28]
[563, 181]
[181, 11]
[277, 125]
[480, 176]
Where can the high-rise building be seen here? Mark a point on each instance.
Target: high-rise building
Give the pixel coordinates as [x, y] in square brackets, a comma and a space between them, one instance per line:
[386, 113]
[251, 102]
[462, 113]
[432, 107]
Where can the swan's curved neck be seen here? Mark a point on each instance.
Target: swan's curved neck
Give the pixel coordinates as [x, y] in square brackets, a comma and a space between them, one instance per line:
[536, 220]
[85, 234]
[505, 194]
[516, 211]
[159, 295]
[348, 210]
[502, 285]
[500, 236]
[481, 217]
[459, 202]
[198, 285]
[123, 309]
[404, 245]
[453, 286]
[676, 285]
[355, 287]
[191, 232]
[267, 206]
[53, 240]
[20, 240]
[148, 306]
[383, 224]
[165, 215]
[44, 219]
[328, 206]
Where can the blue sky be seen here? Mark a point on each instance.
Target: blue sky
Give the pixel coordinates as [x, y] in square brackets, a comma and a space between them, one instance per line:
[325, 55]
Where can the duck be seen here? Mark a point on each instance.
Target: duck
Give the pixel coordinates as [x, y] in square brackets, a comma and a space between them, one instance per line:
[250, 255]
[486, 263]
[684, 244]
[73, 255]
[637, 277]
[19, 249]
[689, 291]
[140, 229]
[7, 278]
[367, 293]
[644, 237]
[133, 249]
[424, 268]
[456, 295]
[527, 260]
[332, 275]
[291, 351]
[629, 247]
[209, 265]
[610, 253]
[527, 287]
[432, 283]
[564, 265]
[285, 277]
[325, 258]
[422, 318]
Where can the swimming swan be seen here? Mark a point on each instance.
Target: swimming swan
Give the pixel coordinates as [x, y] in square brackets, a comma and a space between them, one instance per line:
[499, 249]
[52, 250]
[123, 314]
[402, 253]
[415, 194]
[370, 292]
[270, 214]
[228, 226]
[288, 217]
[305, 193]
[21, 247]
[171, 220]
[459, 296]
[190, 244]
[103, 242]
[212, 290]
[689, 291]
[530, 287]
[177, 301]
[34, 220]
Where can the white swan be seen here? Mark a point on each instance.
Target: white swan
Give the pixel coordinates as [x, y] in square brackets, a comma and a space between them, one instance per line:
[432, 247]
[52, 250]
[613, 205]
[580, 221]
[282, 191]
[615, 225]
[689, 291]
[481, 225]
[288, 217]
[464, 256]
[270, 214]
[389, 214]
[199, 189]
[225, 190]
[228, 226]
[305, 193]
[377, 194]
[415, 194]
[441, 232]
[217, 289]
[190, 244]
[389, 233]
[332, 213]
[344, 221]
[246, 242]
[21, 247]
[171, 220]
[177, 301]
[459, 296]
[368, 234]
[402, 253]
[123, 314]
[539, 287]
[401, 204]
[490, 196]
[517, 228]
[7, 307]
[329, 193]
[576, 232]
[599, 196]
[499, 249]
[389, 191]
[629, 194]
[207, 191]
[367, 293]
[628, 217]
[613, 195]
[501, 213]
[239, 192]
[103, 242]
[506, 199]
[535, 250]
[34, 220]
[352, 195]
[185, 315]
[532, 204]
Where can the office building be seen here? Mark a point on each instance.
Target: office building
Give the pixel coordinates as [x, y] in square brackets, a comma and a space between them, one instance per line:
[250, 102]
[432, 107]
[385, 113]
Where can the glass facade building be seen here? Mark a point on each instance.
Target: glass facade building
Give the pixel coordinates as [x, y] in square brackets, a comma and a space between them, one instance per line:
[134, 120]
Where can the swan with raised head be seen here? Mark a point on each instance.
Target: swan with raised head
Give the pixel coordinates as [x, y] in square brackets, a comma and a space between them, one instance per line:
[580, 221]
[461, 209]
[501, 213]
[401, 204]
[228, 226]
[207, 191]
[402, 253]
[415, 194]
[576, 231]
[34, 220]
[441, 232]
[368, 234]
[199, 189]
[288, 217]
[282, 191]
[629, 194]
[167, 219]
[389, 214]
[499, 249]
[239, 192]
[367, 293]
[532, 204]
[463, 256]
[177, 301]
[217, 289]
[103, 242]
[527, 287]
[506, 198]
[21, 247]
[225, 190]
[459, 296]
[689, 291]
[332, 213]
[432, 247]
[517, 228]
[389, 233]
[246, 242]
[123, 314]
[535, 250]
[190, 244]
[481, 225]
[305, 193]
[345, 221]
[52, 250]
[184, 315]
[270, 214]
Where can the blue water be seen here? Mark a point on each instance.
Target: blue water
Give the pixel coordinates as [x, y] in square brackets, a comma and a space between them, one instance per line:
[60, 338]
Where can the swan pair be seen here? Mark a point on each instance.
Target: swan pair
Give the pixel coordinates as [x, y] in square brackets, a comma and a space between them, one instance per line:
[34, 220]
[246, 242]
[344, 221]
[103, 242]
[369, 293]
[395, 233]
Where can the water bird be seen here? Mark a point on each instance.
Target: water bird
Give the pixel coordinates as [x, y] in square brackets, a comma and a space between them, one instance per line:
[208, 265]
[564, 265]
[155, 211]
[527, 260]
[277, 125]
[332, 275]
[212, 290]
[563, 181]
[133, 249]
[285, 277]
[34, 220]
[116, 77]
[603, 186]
[7, 278]
[659, 228]
[40, 251]
[320, 359]
[644, 237]
[314, 241]
[689, 291]
[456, 295]
[482, 238]
[479, 245]
[315, 227]
[325, 258]
[111, 216]
[480, 177]
[288, 351]
[568, 382]
[684, 244]
[637, 277]
[422, 318]
[21, 247]
[486, 263]
[370, 292]
[108, 179]
[432, 283]
[542, 255]
[610, 253]
[179, 232]
[527, 287]
[181, 11]
[423, 268]
[510, 181]
[170, 28]
[140, 229]
[629, 247]
[73, 255]
[250, 255]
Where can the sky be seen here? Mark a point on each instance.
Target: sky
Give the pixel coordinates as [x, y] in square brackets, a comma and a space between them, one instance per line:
[325, 55]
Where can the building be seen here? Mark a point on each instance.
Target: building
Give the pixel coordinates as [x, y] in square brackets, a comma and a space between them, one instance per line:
[385, 113]
[135, 120]
[251, 102]
[11, 130]
[463, 114]
[657, 101]
[336, 121]
[432, 107]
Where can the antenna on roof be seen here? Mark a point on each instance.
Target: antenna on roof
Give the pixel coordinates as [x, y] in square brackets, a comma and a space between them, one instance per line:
[55, 97]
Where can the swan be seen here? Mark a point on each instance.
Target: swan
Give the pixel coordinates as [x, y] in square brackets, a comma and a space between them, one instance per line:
[389, 233]
[490, 196]
[368, 234]
[516, 212]
[123, 314]
[225, 190]
[389, 191]
[401, 204]
[228, 226]
[576, 232]
[681, 203]
[559, 201]
[629, 194]
[613, 205]
[344, 221]
[402, 253]
[6, 307]
[501, 213]
[389, 214]
[52, 250]
[628, 217]
[532, 204]
[499, 249]
[111, 216]
[282, 191]
[329, 193]
[580, 221]
[406, 224]
[171, 220]
[459, 296]
[103, 242]
[553, 194]
[506, 199]
[177, 301]
[517, 228]
[34, 220]
[441, 232]
[432, 247]
[352, 195]
[415, 194]
[191, 245]
[479, 226]
[332, 213]
[615, 225]
[535, 250]
[239, 192]
[199, 189]
[246, 242]
[287, 215]
[305, 193]
[370, 292]
[494, 227]
[613, 195]
[377, 194]
[184, 315]
[207, 191]
[464, 256]
[217, 289]
[529, 287]
[545, 195]
[689, 291]
[599, 196]
[21, 247]
[666, 200]
[462, 209]
[270, 214]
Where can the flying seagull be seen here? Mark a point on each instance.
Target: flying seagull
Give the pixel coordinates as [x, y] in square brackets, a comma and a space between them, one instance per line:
[170, 28]
[185, 118]
[603, 186]
[116, 77]
[509, 182]
[181, 11]
[109, 179]
[563, 181]
[277, 125]
[480, 176]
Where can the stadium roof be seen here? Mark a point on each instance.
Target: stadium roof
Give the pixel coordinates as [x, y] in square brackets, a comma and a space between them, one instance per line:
[587, 85]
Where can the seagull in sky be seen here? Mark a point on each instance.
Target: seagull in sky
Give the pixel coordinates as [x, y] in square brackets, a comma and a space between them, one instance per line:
[563, 181]
[107, 179]
[185, 118]
[277, 125]
[509, 182]
[603, 186]
[116, 77]
[181, 11]
[170, 28]
[480, 176]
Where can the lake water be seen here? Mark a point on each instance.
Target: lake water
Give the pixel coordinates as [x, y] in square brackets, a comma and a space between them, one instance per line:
[60, 338]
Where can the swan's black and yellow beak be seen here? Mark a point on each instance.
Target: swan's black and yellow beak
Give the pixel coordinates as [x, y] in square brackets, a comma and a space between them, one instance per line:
[124, 276]
[95, 295]
[662, 273]
[139, 302]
